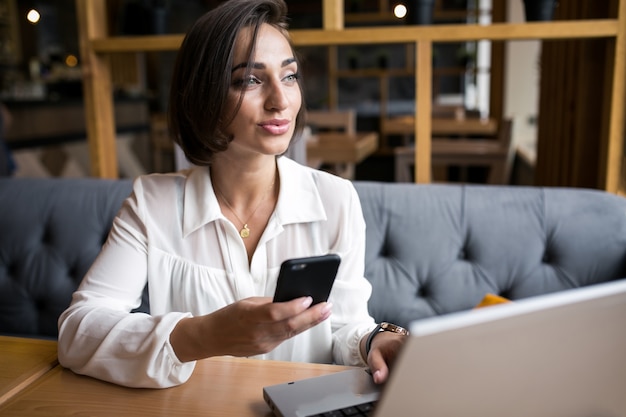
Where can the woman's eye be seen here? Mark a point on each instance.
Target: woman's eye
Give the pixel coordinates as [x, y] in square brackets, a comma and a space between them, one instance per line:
[247, 82]
[252, 81]
[292, 78]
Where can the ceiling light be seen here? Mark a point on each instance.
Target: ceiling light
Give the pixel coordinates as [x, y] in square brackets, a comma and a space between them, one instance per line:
[33, 16]
[399, 11]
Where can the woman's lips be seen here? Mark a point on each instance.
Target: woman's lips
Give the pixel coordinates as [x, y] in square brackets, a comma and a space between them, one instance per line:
[276, 127]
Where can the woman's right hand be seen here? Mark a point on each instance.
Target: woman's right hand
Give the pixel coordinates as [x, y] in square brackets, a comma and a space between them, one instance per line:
[248, 327]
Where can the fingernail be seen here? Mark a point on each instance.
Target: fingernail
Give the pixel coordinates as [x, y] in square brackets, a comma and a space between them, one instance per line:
[326, 309]
[378, 377]
[307, 301]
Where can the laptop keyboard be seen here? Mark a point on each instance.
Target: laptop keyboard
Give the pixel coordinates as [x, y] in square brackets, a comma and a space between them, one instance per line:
[365, 409]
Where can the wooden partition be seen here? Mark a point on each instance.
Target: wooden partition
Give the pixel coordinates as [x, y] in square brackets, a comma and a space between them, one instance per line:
[576, 84]
[96, 45]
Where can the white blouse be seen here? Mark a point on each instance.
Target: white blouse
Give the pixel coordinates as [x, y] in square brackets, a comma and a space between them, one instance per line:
[171, 234]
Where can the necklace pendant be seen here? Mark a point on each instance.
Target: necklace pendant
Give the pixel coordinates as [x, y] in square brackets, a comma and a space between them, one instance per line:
[244, 232]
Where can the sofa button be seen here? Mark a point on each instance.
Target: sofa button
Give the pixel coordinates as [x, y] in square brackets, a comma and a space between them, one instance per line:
[422, 292]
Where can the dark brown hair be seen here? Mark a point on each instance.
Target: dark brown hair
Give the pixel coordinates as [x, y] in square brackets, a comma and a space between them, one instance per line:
[202, 75]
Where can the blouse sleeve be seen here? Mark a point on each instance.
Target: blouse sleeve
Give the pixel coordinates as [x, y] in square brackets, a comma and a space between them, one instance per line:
[351, 291]
[98, 334]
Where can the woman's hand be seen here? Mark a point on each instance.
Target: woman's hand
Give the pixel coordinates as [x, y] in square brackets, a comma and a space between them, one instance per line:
[383, 352]
[247, 327]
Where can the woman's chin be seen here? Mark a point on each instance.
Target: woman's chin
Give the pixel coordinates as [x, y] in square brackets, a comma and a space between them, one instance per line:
[279, 148]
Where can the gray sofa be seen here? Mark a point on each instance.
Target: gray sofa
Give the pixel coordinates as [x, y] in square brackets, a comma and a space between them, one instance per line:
[431, 249]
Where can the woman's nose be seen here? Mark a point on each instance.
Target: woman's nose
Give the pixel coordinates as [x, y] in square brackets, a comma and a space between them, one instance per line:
[276, 97]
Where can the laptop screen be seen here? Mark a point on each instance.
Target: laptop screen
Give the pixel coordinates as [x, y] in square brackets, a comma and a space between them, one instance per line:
[561, 354]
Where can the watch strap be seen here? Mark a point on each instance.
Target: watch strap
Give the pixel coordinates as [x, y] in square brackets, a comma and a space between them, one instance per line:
[383, 327]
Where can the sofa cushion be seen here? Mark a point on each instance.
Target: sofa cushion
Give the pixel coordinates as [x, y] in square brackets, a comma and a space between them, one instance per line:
[435, 249]
[52, 230]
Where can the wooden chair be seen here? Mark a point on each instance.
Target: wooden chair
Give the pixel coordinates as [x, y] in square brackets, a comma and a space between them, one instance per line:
[494, 153]
[332, 121]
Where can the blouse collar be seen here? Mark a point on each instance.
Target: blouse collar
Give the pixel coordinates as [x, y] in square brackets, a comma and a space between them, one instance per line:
[298, 200]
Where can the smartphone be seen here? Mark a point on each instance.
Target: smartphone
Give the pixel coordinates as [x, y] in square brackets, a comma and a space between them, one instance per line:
[311, 276]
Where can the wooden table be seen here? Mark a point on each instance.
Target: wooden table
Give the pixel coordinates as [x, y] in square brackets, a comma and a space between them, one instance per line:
[405, 125]
[22, 361]
[222, 386]
[341, 148]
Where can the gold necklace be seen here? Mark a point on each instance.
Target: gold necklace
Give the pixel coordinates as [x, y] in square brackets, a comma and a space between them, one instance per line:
[245, 230]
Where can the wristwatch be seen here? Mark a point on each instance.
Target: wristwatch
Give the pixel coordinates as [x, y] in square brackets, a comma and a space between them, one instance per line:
[384, 327]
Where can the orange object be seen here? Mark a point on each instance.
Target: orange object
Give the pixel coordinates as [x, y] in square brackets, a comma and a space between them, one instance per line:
[491, 299]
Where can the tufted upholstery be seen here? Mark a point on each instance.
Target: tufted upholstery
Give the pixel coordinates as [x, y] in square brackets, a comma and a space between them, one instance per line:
[50, 232]
[431, 249]
[436, 249]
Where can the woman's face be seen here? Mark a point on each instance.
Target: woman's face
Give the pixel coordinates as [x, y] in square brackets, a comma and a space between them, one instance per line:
[266, 119]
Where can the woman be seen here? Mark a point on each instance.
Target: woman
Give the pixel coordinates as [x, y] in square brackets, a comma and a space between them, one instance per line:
[209, 241]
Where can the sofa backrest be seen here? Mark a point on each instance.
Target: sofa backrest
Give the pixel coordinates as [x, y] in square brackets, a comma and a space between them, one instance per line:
[435, 249]
[50, 232]
[430, 249]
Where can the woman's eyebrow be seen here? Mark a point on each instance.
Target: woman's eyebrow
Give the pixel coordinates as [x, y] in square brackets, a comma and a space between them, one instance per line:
[258, 65]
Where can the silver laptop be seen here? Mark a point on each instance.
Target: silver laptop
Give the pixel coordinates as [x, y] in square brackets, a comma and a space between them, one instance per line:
[562, 354]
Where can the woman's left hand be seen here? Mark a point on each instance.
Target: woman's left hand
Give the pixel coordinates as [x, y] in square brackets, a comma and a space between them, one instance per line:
[384, 350]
